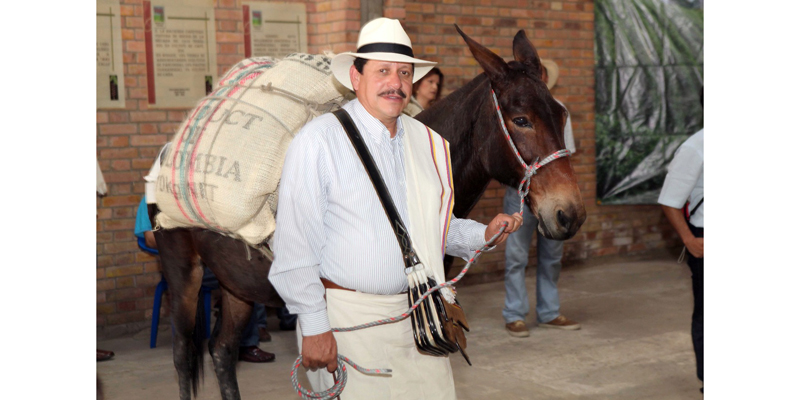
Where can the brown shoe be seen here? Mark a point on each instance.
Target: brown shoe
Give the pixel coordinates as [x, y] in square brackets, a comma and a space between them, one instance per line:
[518, 329]
[561, 322]
[103, 355]
[263, 335]
[255, 355]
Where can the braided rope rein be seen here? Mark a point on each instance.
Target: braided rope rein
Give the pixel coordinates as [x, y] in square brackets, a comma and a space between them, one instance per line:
[340, 377]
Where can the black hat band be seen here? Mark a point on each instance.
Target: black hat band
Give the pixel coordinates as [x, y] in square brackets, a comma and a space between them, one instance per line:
[386, 48]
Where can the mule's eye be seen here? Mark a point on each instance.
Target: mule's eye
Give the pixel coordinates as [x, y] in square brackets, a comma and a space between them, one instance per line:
[522, 122]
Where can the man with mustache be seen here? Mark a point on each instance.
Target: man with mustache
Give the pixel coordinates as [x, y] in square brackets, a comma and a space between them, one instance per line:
[337, 260]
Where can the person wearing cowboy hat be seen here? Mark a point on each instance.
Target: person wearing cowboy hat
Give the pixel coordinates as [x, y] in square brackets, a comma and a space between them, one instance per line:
[337, 260]
[548, 253]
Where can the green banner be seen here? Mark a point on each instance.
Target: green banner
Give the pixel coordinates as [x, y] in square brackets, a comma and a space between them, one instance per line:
[648, 73]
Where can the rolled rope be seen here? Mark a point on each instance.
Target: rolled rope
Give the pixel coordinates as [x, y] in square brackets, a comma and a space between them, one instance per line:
[339, 382]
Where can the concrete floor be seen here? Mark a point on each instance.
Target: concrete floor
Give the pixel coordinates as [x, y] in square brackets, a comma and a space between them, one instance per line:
[635, 344]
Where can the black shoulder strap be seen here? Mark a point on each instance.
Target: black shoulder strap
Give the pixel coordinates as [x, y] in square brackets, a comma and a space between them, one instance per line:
[400, 231]
[696, 207]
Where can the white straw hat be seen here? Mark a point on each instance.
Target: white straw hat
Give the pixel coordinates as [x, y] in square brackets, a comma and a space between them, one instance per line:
[552, 72]
[380, 39]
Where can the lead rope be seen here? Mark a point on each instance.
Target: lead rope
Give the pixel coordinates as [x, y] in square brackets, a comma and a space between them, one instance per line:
[340, 377]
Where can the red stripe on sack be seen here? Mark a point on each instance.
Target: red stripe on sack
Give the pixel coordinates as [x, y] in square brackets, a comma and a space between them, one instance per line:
[246, 66]
[174, 165]
[193, 158]
[249, 77]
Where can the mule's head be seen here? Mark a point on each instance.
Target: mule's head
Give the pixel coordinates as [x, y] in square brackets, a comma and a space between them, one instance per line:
[535, 122]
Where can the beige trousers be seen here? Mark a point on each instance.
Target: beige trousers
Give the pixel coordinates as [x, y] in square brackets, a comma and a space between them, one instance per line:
[414, 375]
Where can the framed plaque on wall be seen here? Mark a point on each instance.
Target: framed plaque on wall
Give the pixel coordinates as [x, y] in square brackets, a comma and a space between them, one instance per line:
[110, 70]
[274, 29]
[181, 47]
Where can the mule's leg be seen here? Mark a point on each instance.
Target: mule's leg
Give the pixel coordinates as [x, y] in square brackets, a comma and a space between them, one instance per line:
[242, 274]
[184, 277]
[224, 343]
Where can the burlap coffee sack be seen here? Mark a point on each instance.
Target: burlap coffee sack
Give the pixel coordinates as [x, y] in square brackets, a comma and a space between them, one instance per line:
[223, 168]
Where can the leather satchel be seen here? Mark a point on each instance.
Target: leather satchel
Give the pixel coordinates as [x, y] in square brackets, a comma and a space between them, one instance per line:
[438, 326]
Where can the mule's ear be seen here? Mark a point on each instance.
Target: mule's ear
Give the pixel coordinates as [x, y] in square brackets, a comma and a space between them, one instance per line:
[494, 66]
[525, 53]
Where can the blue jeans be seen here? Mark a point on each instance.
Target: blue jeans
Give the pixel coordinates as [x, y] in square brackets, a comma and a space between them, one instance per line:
[288, 320]
[250, 332]
[548, 268]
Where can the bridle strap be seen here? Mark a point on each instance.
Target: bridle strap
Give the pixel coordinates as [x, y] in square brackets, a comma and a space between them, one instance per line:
[530, 170]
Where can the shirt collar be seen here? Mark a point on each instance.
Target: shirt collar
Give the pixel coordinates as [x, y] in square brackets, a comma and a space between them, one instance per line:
[376, 130]
[416, 102]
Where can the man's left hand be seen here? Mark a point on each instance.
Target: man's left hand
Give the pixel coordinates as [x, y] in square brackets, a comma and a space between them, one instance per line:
[514, 222]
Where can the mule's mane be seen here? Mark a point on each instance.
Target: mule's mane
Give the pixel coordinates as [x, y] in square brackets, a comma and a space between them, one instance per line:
[448, 113]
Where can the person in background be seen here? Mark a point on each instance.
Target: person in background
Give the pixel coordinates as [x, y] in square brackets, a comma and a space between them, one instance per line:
[286, 322]
[425, 92]
[548, 253]
[248, 344]
[681, 199]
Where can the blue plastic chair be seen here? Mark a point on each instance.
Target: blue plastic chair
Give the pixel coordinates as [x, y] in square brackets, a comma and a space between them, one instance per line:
[162, 286]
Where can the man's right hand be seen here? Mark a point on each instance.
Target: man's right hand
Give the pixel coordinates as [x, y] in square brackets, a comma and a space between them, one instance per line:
[678, 221]
[695, 246]
[320, 351]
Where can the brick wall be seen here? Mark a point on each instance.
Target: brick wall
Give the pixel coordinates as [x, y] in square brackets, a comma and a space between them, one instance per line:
[128, 139]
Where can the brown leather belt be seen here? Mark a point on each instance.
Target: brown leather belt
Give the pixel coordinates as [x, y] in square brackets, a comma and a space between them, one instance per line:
[330, 285]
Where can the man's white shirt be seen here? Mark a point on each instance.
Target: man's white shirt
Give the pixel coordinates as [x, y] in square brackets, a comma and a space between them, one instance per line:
[331, 223]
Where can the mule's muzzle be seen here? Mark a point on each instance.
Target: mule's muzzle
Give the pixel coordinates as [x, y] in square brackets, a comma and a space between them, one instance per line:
[563, 224]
